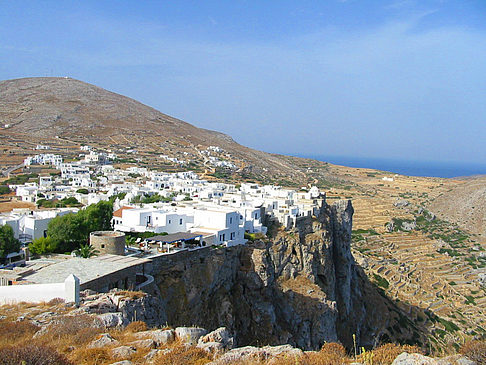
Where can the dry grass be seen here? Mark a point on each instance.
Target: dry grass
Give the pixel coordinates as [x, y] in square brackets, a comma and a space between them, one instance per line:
[55, 301]
[12, 333]
[31, 354]
[179, 354]
[71, 335]
[385, 354]
[475, 351]
[132, 294]
[85, 356]
[137, 326]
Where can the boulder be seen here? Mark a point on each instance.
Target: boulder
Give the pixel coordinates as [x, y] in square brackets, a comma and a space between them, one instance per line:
[409, 226]
[401, 203]
[87, 293]
[103, 340]
[190, 335]
[417, 359]
[221, 335]
[145, 344]
[99, 304]
[413, 359]
[123, 352]
[257, 353]
[151, 355]
[161, 337]
[213, 348]
[459, 360]
[146, 308]
[482, 279]
[110, 320]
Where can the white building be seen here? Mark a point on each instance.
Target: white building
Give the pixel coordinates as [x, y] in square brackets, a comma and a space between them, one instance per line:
[27, 192]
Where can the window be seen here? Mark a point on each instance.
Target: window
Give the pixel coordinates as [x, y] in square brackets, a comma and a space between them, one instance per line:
[232, 235]
[102, 246]
[170, 221]
[231, 220]
[180, 221]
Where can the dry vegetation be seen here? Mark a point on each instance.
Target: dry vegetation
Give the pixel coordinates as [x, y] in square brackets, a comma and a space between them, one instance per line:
[65, 341]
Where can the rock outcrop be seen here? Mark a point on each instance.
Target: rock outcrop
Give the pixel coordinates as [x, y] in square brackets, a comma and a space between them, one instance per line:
[118, 308]
[302, 288]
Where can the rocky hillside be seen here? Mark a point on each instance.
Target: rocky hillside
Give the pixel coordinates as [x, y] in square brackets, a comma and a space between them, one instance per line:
[103, 330]
[301, 288]
[464, 204]
[36, 110]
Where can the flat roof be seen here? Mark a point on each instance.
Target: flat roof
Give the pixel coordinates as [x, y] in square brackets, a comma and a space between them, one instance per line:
[175, 237]
[85, 269]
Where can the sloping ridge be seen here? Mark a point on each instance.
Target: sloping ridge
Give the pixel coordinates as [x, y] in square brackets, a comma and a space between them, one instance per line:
[46, 107]
[50, 104]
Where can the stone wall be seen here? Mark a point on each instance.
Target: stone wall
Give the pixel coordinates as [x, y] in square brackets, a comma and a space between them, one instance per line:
[108, 242]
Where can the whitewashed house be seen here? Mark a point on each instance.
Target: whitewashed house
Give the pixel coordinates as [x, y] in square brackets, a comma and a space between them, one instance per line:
[222, 223]
[27, 192]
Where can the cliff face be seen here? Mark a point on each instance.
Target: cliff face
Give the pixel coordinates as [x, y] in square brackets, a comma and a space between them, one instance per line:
[302, 288]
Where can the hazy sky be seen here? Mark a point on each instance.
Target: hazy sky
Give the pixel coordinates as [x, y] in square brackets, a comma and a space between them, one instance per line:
[367, 78]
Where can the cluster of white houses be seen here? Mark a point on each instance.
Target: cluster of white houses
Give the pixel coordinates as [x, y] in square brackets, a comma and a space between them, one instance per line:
[220, 212]
[182, 212]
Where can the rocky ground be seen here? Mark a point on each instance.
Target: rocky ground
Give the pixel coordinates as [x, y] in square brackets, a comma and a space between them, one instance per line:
[102, 330]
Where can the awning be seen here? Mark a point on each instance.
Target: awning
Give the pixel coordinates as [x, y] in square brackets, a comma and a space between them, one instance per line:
[175, 237]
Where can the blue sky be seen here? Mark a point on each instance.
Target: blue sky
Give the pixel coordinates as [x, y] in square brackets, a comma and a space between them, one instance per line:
[398, 79]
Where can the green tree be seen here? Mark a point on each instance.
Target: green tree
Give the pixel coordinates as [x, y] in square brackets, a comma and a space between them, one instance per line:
[98, 216]
[8, 243]
[43, 245]
[4, 190]
[69, 231]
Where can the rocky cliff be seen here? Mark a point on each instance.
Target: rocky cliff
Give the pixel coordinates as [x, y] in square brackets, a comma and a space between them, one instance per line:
[302, 288]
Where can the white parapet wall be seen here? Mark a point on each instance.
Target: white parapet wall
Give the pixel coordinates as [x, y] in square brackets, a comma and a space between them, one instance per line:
[36, 293]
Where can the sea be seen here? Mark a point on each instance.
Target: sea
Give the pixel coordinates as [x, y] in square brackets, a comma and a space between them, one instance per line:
[407, 167]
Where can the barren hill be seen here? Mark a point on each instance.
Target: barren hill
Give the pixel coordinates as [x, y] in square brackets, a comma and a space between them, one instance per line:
[39, 109]
[464, 204]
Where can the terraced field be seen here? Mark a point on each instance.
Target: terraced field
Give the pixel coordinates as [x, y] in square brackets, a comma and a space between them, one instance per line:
[408, 266]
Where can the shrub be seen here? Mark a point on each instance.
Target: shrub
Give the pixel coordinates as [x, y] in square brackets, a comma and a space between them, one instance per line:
[4, 190]
[31, 354]
[132, 294]
[13, 332]
[69, 326]
[385, 354]
[334, 348]
[137, 326]
[329, 355]
[43, 245]
[381, 281]
[55, 301]
[475, 351]
[182, 355]
[8, 242]
[85, 356]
